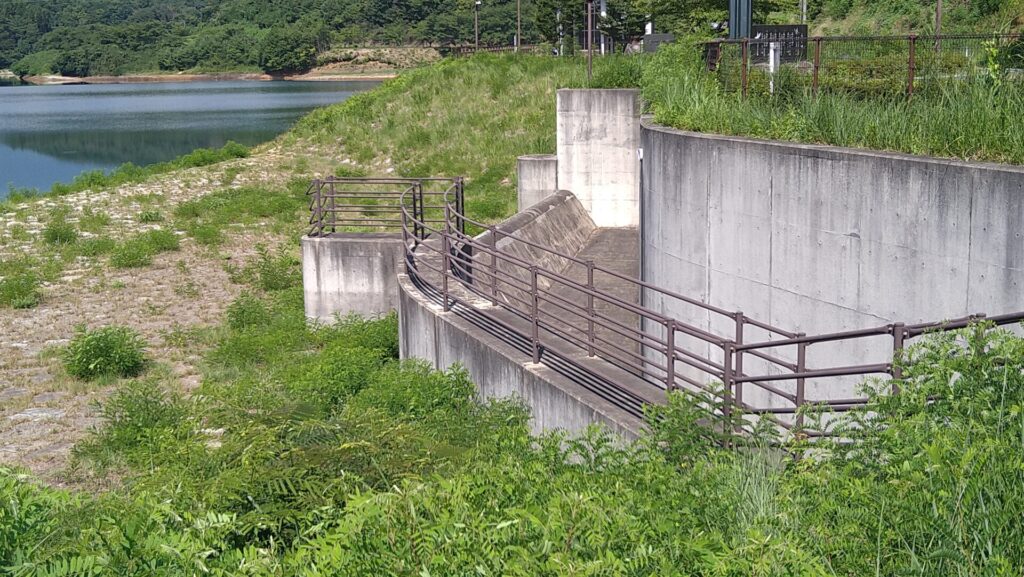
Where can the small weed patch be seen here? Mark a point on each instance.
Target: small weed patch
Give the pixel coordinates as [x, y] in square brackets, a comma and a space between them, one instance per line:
[108, 351]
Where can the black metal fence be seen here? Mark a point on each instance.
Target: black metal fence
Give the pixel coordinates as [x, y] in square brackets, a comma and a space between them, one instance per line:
[862, 65]
[344, 205]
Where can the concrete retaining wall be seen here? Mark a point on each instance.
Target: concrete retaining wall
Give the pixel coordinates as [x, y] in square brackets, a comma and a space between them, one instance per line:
[598, 134]
[499, 370]
[820, 239]
[536, 178]
[350, 273]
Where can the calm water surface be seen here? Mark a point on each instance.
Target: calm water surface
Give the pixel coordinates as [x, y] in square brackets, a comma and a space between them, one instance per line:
[51, 134]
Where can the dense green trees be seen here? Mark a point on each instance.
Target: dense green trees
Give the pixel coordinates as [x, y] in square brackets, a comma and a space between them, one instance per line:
[90, 37]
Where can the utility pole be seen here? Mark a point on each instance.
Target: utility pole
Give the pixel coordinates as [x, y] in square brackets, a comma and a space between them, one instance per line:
[519, 23]
[590, 41]
[476, 24]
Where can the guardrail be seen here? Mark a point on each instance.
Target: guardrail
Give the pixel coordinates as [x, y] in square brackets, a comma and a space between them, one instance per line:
[571, 307]
[859, 64]
[339, 205]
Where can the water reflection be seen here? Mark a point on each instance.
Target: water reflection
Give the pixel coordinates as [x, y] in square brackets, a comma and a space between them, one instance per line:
[52, 133]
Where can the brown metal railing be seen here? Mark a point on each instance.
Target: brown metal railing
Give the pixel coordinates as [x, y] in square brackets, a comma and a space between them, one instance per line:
[864, 65]
[340, 205]
[568, 306]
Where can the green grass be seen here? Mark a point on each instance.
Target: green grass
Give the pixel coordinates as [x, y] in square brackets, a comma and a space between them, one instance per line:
[965, 120]
[139, 250]
[130, 173]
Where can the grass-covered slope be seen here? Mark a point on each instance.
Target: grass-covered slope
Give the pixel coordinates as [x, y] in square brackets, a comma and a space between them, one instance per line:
[469, 117]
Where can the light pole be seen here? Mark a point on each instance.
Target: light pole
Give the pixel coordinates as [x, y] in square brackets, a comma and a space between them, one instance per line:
[476, 24]
[590, 41]
[519, 24]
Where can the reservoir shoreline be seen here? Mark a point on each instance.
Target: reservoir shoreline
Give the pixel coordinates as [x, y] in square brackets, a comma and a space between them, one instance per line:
[56, 79]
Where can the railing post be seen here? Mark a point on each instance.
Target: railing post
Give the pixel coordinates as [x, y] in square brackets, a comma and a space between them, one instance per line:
[899, 333]
[535, 315]
[801, 366]
[334, 207]
[911, 65]
[446, 249]
[727, 382]
[740, 318]
[590, 308]
[494, 266]
[817, 65]
[317, 217]
[670, 354]
[745, 49]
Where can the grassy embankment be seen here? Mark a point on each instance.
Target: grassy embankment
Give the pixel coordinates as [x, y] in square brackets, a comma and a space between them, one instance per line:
[313, 451]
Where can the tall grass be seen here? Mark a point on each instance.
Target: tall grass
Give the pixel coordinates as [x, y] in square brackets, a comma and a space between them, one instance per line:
[975, 120]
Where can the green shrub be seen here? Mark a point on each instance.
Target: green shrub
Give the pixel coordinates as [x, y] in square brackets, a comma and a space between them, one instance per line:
[20, 290]
[96, 246]
[108, 351]
[59, 231]
[131, 253]
[150, 216]
[161, 240]
[247, 311]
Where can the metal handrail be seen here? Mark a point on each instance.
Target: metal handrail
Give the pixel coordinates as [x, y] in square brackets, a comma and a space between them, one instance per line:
[476, 264]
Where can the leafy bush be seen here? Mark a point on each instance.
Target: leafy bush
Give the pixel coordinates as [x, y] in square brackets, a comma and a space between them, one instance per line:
[59, 231]
[131, 254]
[96, 246]
[150, 216]
[20, 290]
[108, 351]
[247, 311]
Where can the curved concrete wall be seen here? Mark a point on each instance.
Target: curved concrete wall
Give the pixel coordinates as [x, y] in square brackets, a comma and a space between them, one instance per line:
[820, 239]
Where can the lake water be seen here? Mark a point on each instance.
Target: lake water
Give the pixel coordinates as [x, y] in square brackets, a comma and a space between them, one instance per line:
[51, 134]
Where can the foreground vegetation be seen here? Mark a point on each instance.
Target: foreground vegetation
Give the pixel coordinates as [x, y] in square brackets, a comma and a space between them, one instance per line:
[314, 451]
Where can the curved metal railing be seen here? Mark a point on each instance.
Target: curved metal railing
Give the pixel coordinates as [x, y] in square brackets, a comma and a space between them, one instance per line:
[569, 308]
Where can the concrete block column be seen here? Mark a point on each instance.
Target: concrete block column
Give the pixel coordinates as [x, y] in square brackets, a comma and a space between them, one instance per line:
[537, 176]
[598, 134]
[350, 273]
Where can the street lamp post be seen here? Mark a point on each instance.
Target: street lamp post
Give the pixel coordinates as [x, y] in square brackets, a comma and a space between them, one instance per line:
[476, 24]
[590, 39]
[519, 24]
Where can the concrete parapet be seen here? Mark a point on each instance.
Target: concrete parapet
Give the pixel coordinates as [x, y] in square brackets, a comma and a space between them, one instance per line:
[350, 273]
[820, 239]
[598, 134]
[537, 178]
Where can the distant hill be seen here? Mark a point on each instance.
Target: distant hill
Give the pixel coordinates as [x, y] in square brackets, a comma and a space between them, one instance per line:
[109, 37]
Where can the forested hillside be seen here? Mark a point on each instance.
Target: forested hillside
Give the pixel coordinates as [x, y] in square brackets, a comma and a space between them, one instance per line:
[102, 37]
[91, 37]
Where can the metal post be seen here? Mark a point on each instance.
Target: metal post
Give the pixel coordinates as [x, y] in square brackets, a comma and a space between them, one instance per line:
[318, 209]
[535, 315]
[590, 308]
[590, 41]
[817, 65]
[476, 24]
[938, 25]
[727, 381]
[899, 334]
[801, 366]
[494, 266]
[519, 24]
[670, 354]
[333, 207]
[739, 358]
[745, 44]
[446, 248]
[911, 65]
